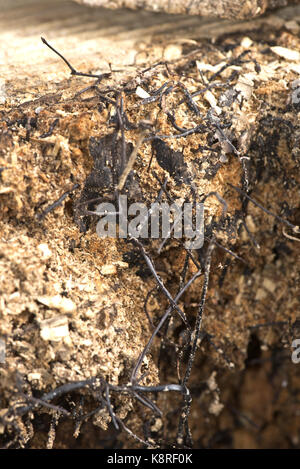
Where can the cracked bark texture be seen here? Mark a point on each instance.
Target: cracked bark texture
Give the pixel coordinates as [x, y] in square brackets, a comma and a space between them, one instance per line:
[239, 9]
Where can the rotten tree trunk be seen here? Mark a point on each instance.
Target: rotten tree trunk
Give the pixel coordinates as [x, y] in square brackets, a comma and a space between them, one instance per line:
[240, 9]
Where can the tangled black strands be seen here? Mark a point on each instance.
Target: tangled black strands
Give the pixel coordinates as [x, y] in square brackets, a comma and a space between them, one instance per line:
[50, 131]
[277, 217]
[162, 321]
[72, 69]
[103, 390]
[184, 434]
[97, 387]
[57, 203]
[189, 99]
[43, 403]
[234, 61]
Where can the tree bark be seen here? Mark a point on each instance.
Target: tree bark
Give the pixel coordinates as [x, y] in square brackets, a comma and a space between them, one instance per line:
[240, 9]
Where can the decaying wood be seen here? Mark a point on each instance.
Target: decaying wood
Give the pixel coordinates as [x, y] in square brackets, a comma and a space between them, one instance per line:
[240, 9]
[74, 307]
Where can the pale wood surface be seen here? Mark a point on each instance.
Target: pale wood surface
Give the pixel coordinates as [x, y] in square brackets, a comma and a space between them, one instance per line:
[91, 38]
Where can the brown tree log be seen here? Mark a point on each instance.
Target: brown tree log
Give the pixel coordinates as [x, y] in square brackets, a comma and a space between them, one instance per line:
[240, 9]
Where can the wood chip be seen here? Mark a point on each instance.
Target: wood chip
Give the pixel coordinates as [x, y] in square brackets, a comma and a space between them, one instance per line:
[108, 269]
[54, 329]
[58, 302]
[285, 53]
